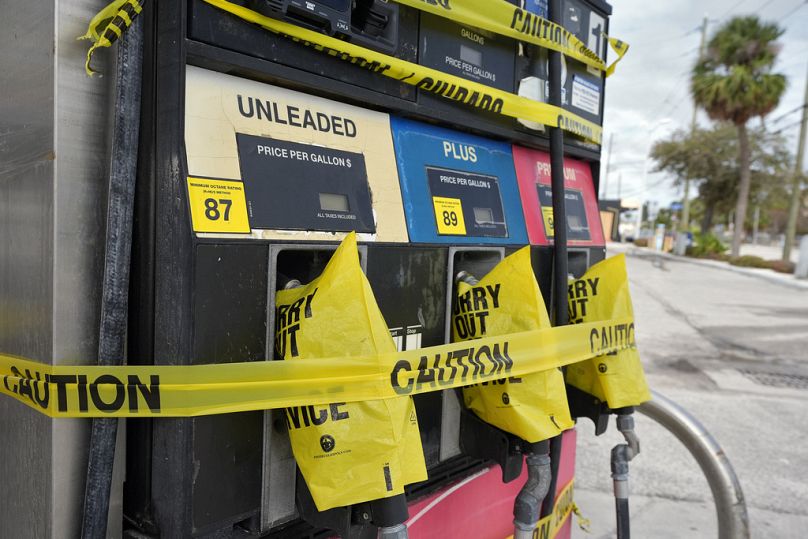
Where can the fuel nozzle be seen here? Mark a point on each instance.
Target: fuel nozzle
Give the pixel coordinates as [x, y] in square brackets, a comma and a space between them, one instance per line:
[292, 283]
[370, 17]
[622, 454]
[466, 277]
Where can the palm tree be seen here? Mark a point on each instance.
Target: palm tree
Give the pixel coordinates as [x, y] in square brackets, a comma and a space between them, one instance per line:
[733, 82]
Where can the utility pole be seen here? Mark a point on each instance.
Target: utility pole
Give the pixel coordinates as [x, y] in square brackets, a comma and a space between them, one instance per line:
[685, 224]
[605, 190]
[796, 181]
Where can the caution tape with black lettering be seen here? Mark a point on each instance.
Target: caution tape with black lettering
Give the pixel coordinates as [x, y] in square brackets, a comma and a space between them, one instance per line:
[505, 19]
[109, 24]
[451, 87]
[523, 25]
[184, 391]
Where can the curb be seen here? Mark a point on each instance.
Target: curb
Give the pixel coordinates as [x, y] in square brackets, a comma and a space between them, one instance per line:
[764, 274]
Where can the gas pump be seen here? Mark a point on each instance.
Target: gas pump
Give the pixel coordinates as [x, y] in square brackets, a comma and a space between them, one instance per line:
[257, 155]
[243, 150]
[461, 198]
[586, 246]
[586, 242]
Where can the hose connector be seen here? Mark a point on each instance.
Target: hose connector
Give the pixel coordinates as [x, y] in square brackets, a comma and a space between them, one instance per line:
[622, 454]
[528, 502]
[625, 424]
[399, 531]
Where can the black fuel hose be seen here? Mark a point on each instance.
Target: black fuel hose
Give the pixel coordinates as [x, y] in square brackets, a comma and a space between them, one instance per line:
[560, 269]
[623, 519]
[115, 295]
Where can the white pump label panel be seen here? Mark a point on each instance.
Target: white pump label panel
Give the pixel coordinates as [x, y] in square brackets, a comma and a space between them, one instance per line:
[272, 163]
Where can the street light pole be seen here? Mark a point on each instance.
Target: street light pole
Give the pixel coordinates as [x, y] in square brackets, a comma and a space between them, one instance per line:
[796, 181]
[605, 190]
[645, 167]
[685, 224]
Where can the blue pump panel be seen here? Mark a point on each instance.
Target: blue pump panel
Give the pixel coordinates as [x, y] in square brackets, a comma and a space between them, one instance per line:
[457, 188]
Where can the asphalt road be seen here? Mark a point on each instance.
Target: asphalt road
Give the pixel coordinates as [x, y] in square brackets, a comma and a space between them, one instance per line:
[733, 350]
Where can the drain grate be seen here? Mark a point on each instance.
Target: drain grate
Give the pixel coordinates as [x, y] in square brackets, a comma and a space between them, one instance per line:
[777, 379]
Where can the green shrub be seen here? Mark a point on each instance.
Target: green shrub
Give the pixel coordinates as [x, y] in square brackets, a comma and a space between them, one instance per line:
[706, 246]
[781, 266]
[641, 242]
[723, 257]
[749, 261]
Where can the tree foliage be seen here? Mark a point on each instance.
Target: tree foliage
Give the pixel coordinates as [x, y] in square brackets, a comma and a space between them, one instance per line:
[710, 158]
[733, 82]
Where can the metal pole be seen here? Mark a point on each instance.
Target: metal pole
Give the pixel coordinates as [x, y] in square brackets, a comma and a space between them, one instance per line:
[793, 210]
[730, 505]
[685, 224]
[560, 270]
[605, 193]
[557, 183]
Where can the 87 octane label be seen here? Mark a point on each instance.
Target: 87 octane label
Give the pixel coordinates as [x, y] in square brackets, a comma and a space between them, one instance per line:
[218, 206]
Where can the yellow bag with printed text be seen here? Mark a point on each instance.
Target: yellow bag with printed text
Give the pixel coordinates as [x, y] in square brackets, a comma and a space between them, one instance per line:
[602, 294]
[508, 300]
[352, 452]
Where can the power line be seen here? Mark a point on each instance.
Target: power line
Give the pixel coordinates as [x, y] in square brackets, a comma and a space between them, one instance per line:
[789, 113]
[786, 128]
[793, 11]
[649, 187]
[765, 4]
[736, 6]
[797, 58]
[676, 106]
[670, 38]
[688, 52]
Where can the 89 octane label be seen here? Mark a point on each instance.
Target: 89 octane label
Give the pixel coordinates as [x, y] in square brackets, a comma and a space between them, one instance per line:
[449, 216]
[218, 206]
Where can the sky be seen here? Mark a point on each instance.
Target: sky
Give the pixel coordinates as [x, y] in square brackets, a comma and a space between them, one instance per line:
[648, 97]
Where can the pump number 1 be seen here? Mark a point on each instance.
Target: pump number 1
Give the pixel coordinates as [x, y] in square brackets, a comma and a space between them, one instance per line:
[218, 206]
[449, 216]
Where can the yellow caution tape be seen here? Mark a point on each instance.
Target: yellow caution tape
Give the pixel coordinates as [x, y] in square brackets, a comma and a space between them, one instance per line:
[549, 526]
[458, 89]
[113, 20]
[583, 523]
[183, 391]
[503, 18]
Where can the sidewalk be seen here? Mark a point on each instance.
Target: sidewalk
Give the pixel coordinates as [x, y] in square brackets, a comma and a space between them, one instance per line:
[772, 276]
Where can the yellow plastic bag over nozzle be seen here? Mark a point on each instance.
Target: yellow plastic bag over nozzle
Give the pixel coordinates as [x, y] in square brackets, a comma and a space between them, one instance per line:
[602, 294]
[353, 452]
[508, 300]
